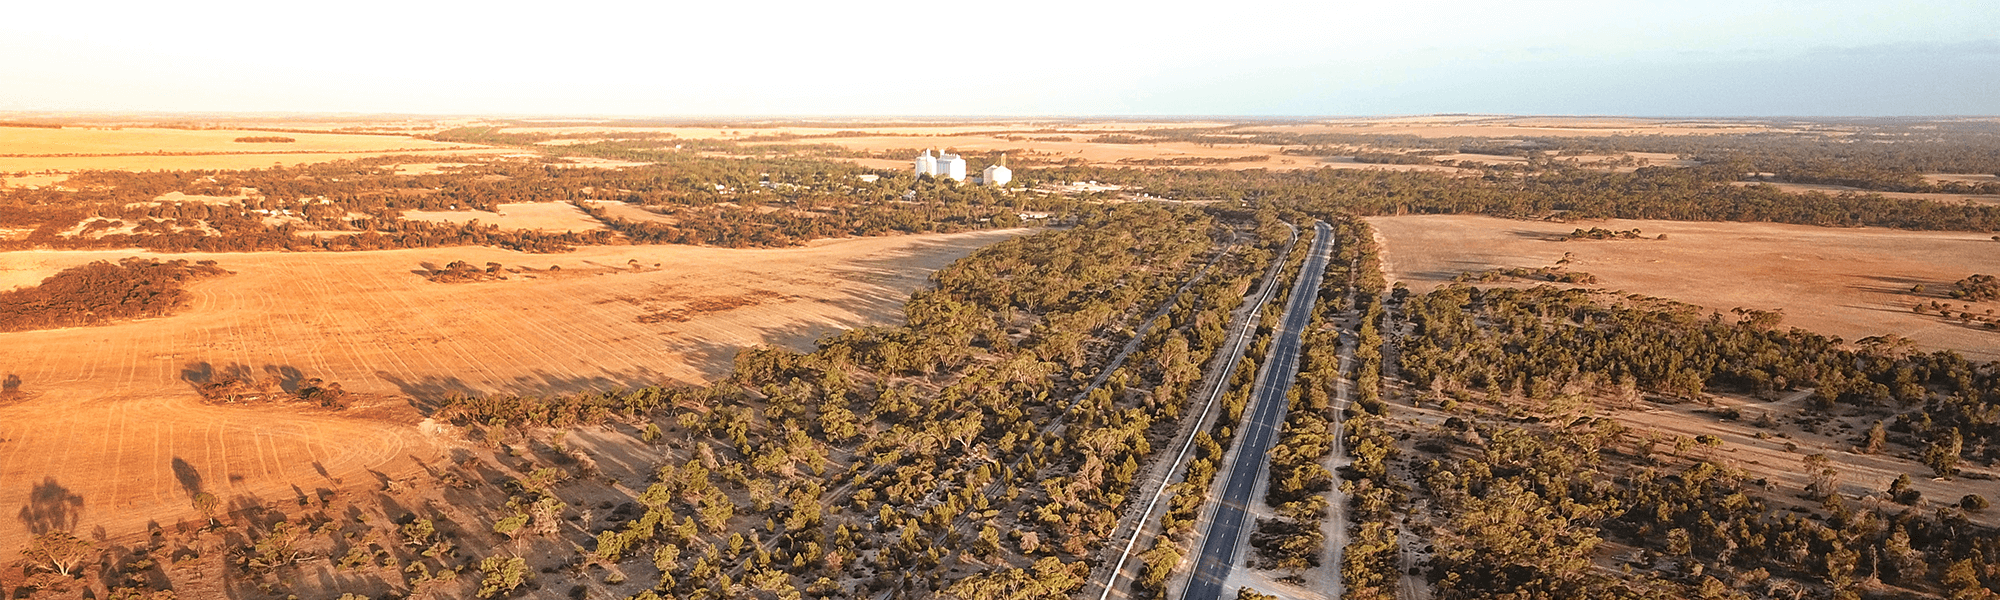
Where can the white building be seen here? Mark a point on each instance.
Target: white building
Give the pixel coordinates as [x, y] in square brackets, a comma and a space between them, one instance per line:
[997, 174]
[941, 166]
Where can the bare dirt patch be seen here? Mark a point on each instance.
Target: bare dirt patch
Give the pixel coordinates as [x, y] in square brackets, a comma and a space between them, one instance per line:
[1851, 283]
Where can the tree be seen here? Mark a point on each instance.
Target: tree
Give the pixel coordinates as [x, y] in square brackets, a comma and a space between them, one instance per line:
[1900, 490]
[1250, 594]
[501, 575]
[1825, 479]
[60, 551]
[206, 504]
[1962, 581]
[1877, 439]
[1943, 454]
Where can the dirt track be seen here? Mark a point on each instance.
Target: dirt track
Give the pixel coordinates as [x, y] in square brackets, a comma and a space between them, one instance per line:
[107, 431]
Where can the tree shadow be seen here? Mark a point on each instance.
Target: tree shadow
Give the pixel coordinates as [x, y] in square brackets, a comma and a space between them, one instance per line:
[287, 376]
[1883, 284]
[189, 477]
[51, 507]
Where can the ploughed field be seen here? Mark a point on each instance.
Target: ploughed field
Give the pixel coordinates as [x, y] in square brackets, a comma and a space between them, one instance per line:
[1846, 282]
[102, 426]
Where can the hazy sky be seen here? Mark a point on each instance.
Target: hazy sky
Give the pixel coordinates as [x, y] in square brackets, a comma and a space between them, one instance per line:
[931, 57]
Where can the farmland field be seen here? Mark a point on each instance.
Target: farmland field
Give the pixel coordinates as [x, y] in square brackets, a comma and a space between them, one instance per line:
[1851, 283]
[104, 426]
[29, 149]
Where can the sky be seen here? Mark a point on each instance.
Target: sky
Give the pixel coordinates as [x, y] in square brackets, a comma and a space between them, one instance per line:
[1006, 58]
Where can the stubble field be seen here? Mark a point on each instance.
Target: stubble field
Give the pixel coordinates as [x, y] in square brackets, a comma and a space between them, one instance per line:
[70, 149]
[1852, 283]
[102, 428]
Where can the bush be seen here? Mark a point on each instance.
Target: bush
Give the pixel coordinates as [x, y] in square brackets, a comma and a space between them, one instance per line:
[1973, 502]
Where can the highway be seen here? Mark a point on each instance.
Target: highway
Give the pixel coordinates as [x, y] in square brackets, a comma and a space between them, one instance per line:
[1215, 380]
[1227, 528]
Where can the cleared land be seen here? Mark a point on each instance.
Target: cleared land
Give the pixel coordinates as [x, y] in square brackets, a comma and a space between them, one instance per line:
[105, 427]
[1851, 283]
[1048, 140]
[29, 149]
[1502, 126]
[1802, 188]
[192, 162]
[536, 216]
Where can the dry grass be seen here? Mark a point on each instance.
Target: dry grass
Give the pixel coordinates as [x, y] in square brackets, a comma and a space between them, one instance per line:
[537, 216]
[1851, 283]
[107, 410]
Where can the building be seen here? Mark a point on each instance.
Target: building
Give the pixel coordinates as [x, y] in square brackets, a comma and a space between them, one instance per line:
[997, 174]
[941, 166]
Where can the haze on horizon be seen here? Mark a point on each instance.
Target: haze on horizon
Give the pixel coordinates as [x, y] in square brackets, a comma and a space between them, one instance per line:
[1702, 58]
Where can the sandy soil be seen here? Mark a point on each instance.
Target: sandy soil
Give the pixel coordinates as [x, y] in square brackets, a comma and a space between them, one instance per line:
[106, 427]
[538, 216]
[1801, 188]
[1864, 477]
[1851, 283]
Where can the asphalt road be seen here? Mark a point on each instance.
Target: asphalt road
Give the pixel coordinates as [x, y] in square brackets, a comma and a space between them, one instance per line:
[1215, 379]
[1267, 415]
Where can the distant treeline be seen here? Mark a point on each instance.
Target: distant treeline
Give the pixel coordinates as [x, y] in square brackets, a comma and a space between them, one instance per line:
[1700, 193]
[100, 292]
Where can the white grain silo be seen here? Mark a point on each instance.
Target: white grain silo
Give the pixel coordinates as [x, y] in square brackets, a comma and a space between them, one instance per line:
[998, 173]
[950, 165]
[927, 165]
